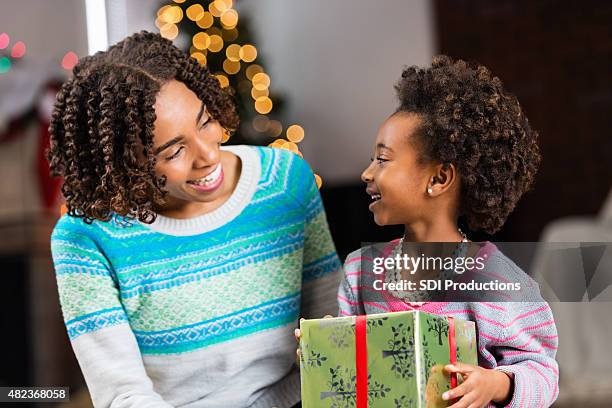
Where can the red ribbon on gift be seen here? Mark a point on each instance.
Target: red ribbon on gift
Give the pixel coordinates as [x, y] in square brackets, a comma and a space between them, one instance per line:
[452, 344]
[361, 358]
[361, 361]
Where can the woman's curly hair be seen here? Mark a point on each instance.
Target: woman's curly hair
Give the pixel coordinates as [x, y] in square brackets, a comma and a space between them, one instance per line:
[470, 121]
[102, 125]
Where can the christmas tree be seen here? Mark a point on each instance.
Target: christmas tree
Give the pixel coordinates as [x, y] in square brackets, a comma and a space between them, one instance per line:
[221, 40]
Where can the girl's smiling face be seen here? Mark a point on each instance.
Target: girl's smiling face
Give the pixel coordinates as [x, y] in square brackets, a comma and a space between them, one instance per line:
[396, 180]
[187, 147]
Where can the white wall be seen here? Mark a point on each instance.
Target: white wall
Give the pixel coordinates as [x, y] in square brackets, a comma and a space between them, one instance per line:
[128, 16]
[49, 29]
[336, 63]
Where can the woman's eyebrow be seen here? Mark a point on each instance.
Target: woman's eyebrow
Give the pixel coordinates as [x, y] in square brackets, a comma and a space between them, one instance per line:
[168, 144]
[200, 113]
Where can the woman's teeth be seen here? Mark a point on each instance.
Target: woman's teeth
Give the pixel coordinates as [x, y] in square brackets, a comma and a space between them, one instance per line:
[376, 197]
[210, 179]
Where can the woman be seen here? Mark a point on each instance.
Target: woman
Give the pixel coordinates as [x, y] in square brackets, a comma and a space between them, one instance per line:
[182, 266]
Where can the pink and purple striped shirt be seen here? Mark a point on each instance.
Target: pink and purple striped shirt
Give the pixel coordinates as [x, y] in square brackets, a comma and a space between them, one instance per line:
[514, 337]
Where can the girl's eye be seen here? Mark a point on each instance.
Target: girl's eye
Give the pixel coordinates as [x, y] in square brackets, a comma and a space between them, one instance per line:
[380, 160]
[176, 154]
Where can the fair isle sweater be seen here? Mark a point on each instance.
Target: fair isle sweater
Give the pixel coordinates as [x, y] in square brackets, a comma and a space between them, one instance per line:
[514, 337]
[200, 312]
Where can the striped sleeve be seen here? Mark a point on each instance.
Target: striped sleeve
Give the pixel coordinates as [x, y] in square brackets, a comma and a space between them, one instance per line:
[347, 298]
[97, 325]
[321, 266]
[527, 350]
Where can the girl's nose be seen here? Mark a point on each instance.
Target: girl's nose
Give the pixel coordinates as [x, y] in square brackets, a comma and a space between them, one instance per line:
[367, 175]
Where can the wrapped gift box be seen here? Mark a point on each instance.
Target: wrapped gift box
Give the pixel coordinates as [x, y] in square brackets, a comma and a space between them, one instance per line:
[388, 360]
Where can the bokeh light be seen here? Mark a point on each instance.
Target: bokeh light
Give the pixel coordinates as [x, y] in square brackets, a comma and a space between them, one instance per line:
[248, 53]
[212, 7]
[216, 43]
[260, 123]
[261, 81]
[179, 1]
[5, 65]
[206, 20]
[195, 12]
[69, 60]
[233, 52]
[292, 147]
[200, 57]
[275, 128]
[172, 14]
[295, 133]
[4, 40]
[263, 105]
[223, 5]
[258, 93]
[169, 31]
[223, 80]
[19, 50]
[201, 40]
[162, 10]
[159, 23]
[252, 70]
[231, 67]
[229, 18]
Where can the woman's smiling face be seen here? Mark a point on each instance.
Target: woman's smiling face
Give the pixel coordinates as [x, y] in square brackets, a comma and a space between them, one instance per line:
[187, 146]
[396, 180]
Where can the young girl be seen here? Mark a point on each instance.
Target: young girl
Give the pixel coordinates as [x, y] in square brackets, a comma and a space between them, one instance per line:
[459, 147]
[181, 266]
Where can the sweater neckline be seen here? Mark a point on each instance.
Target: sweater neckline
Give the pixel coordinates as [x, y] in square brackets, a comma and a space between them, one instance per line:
[230, 209]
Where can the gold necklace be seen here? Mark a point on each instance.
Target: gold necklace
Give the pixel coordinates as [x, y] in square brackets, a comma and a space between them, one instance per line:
[394, 275]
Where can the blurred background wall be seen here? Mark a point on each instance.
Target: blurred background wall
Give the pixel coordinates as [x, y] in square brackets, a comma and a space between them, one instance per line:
[332, 66]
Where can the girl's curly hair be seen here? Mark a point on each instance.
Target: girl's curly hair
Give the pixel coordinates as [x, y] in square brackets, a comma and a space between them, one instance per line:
[102, 125]
[469, 120]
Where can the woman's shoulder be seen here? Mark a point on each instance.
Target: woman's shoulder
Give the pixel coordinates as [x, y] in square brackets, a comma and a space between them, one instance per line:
[76, 228]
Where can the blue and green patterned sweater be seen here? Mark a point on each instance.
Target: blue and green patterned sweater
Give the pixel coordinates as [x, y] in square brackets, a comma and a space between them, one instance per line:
[200, 312]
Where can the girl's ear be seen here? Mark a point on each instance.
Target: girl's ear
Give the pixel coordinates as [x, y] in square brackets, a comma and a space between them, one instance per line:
[443, 179]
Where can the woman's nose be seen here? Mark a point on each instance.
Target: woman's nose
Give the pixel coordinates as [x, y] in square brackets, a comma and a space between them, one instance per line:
[206, 155]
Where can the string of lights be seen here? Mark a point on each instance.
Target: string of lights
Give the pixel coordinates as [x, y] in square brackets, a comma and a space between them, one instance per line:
[218, 34]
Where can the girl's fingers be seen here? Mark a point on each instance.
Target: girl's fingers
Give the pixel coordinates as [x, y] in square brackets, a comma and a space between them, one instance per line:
[467, 401]
[297, 333]
[459, 368]
[328, 317]
[457, 391]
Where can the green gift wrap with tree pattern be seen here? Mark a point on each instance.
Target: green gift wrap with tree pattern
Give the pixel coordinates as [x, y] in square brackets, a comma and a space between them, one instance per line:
[406, 354]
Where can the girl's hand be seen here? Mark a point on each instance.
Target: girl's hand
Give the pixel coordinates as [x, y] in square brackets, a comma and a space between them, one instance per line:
[480, 386]
[298, 334]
